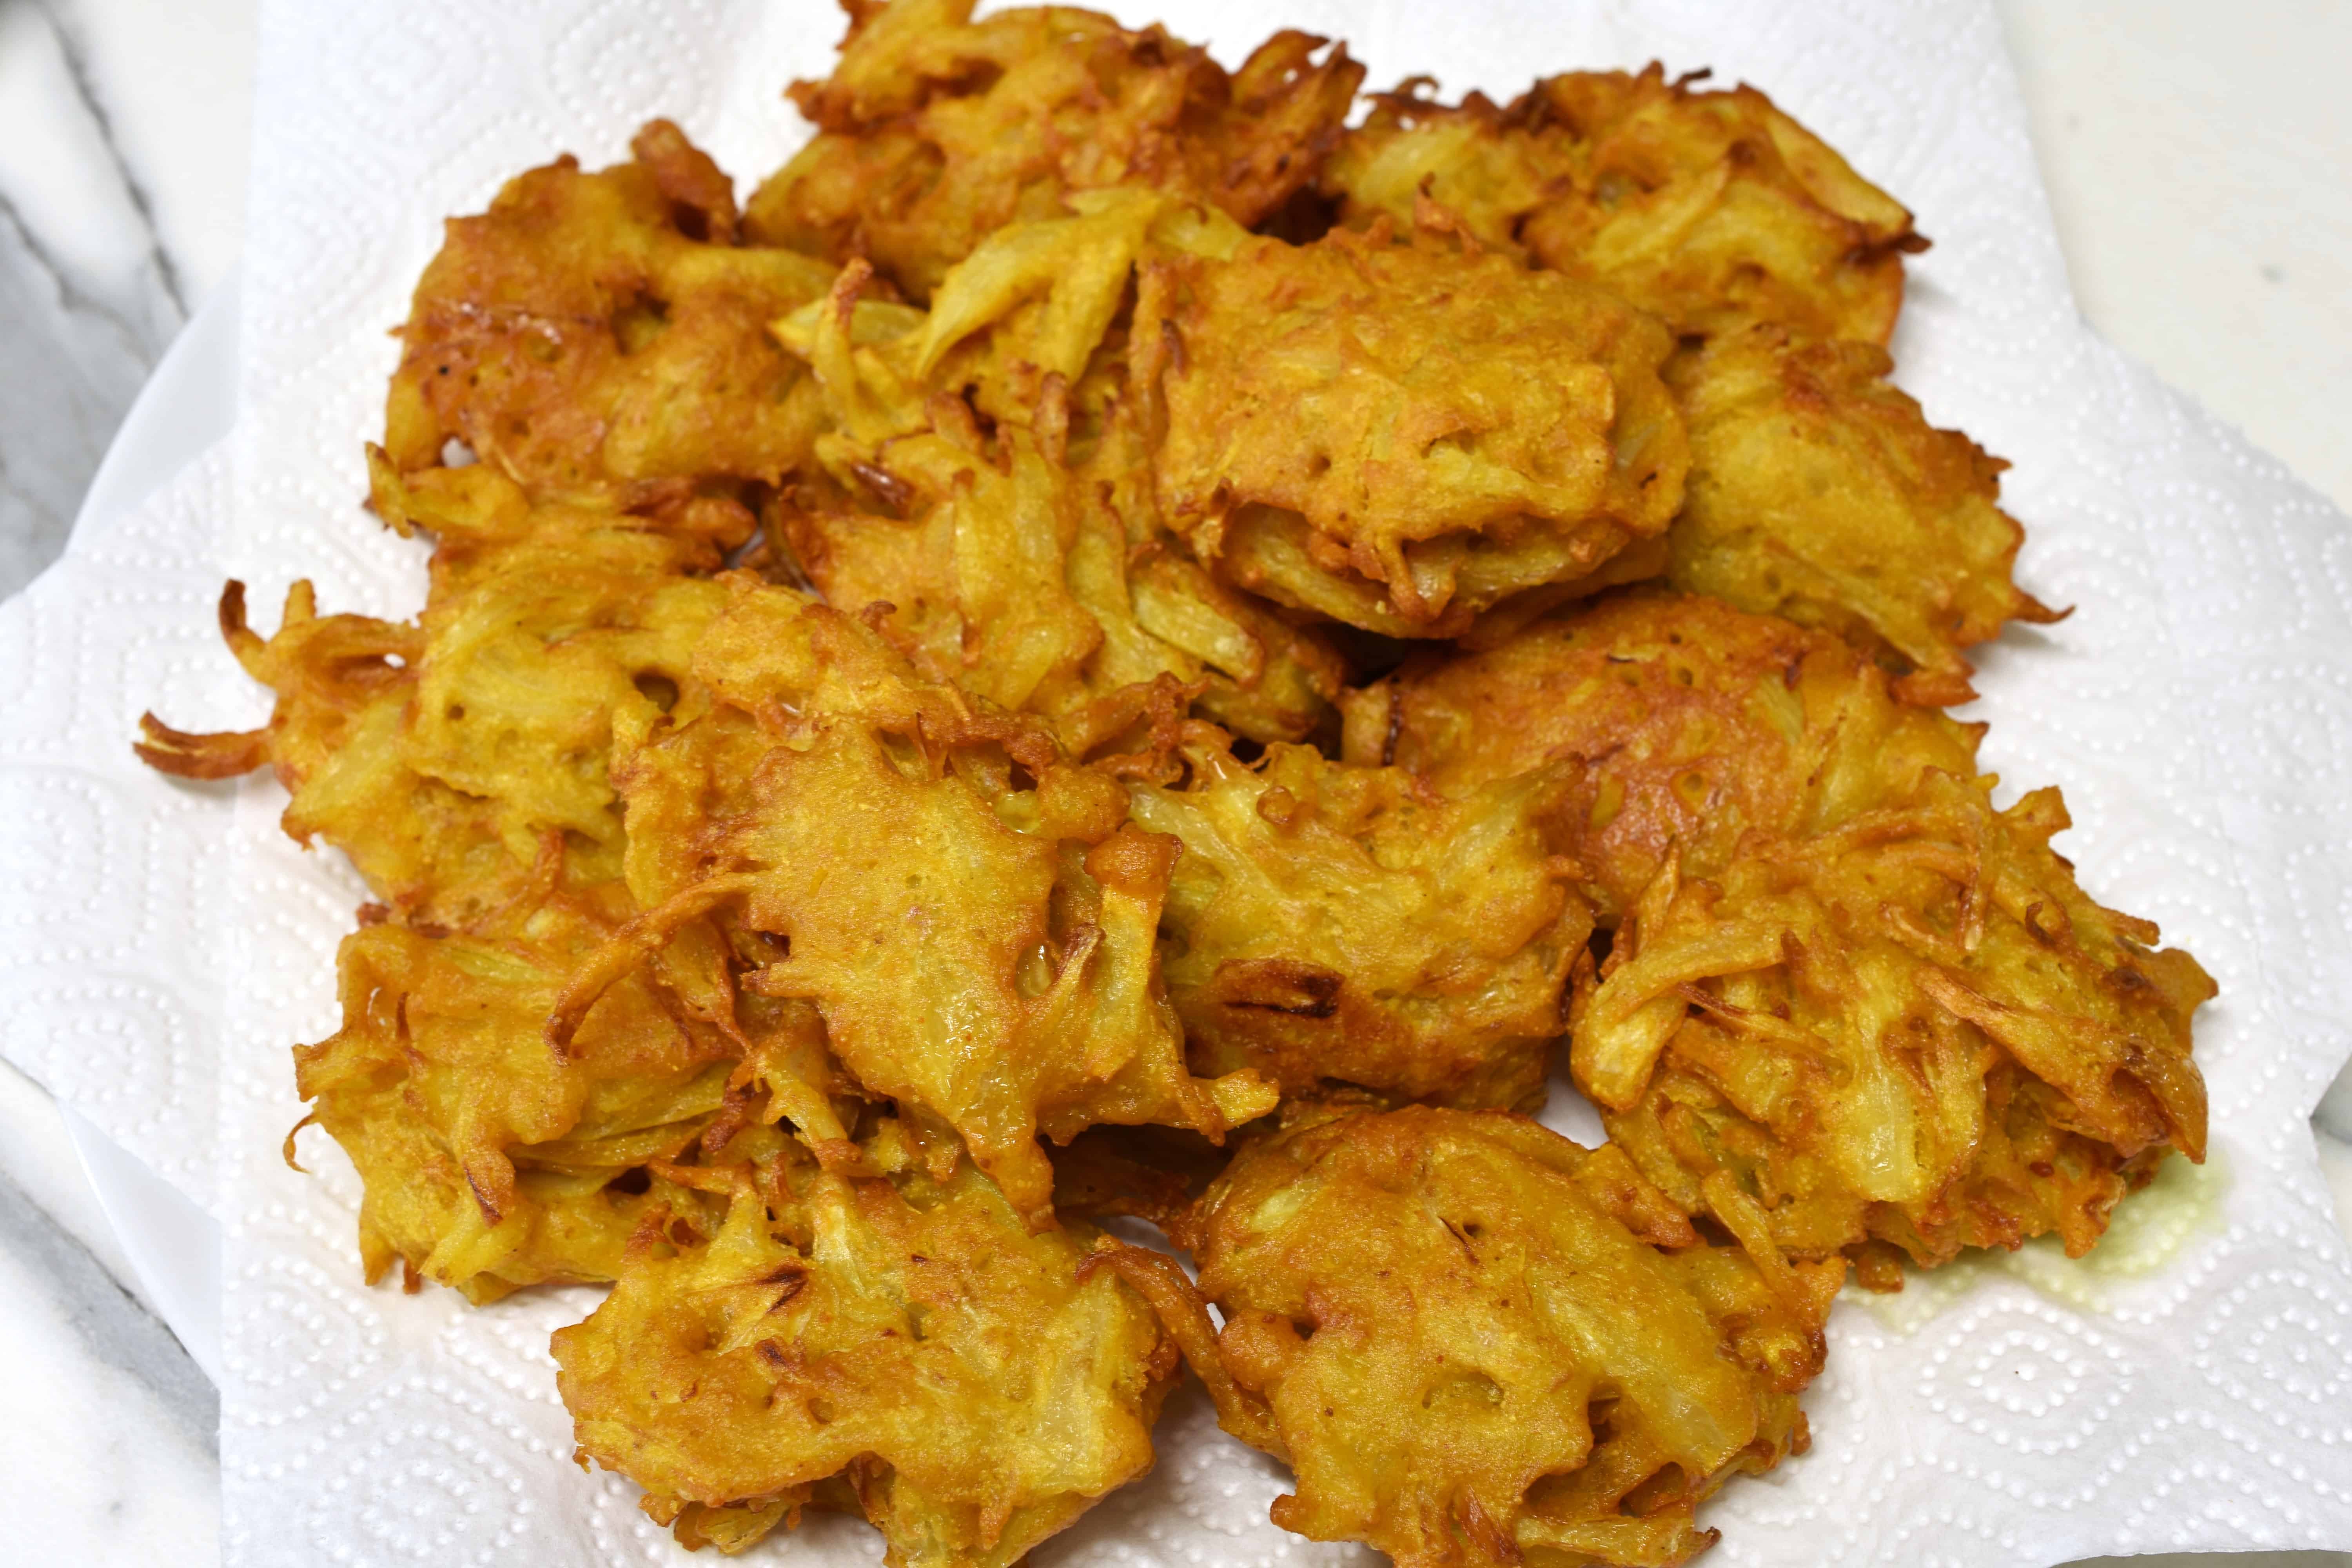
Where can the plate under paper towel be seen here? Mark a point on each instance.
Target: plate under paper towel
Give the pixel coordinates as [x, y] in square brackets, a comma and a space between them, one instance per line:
[2192, 1389]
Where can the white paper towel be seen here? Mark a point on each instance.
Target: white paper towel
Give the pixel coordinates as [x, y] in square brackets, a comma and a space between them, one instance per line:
[112, 878]
[2192, 1388]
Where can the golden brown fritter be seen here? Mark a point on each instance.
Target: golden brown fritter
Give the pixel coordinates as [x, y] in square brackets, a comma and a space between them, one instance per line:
[1475, 1343]
[1012, 575]
[1024, 556]
[936, 131]
[1914, 1029]
[1149, 613]
[1710, 209]
[1400, 436]
[488, 1161]
[1699, 726]
[971, 914]
[1328, 923]
[899, 1346]
[1820, 492]
[602, 337]
[462, 766]
[444, 758]
[1842, 981]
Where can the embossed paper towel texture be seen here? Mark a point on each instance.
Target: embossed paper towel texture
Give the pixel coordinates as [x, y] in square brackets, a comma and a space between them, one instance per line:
[113, 879]
[2195, 710]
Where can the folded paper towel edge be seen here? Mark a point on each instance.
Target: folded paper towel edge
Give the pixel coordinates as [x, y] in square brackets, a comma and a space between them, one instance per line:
[173, 1246]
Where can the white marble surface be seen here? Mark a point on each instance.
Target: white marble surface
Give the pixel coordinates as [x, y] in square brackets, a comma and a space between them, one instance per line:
[106, 1450]
[2193, 153]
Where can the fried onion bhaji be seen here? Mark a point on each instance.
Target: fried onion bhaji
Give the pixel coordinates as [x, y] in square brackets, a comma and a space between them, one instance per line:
[469, 783]
[1914, 1029]
[1699, 728]
[488, 1162]
[1336, 924]
[936, 131]
[602, 337]
[1474, 1341]
[445, 757]
[1028, 563]
[1400, 436]
[897, 1345]
[1820, 492]
[1848, 1000]
[971, 913]
[1712, 210]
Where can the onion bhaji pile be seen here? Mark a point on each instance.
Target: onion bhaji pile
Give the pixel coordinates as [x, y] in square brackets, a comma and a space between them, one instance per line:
[1131, 642]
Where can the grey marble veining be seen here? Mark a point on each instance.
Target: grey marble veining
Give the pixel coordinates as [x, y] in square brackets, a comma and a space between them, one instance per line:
[109, 1451]
[107, 1317]
[86, 310]
[69, 367]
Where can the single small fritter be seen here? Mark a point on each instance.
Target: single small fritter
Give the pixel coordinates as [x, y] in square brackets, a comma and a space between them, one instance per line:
[1475, 1343]
[985, 475]
[488, 1162]
[894, 1345]
[1710, 209]
[602, 336]
[1912, 1029]
[936, 130]
[1335, 924]
[1400, 436]
[1820, 492]
[1697, 728]
[449, 757]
